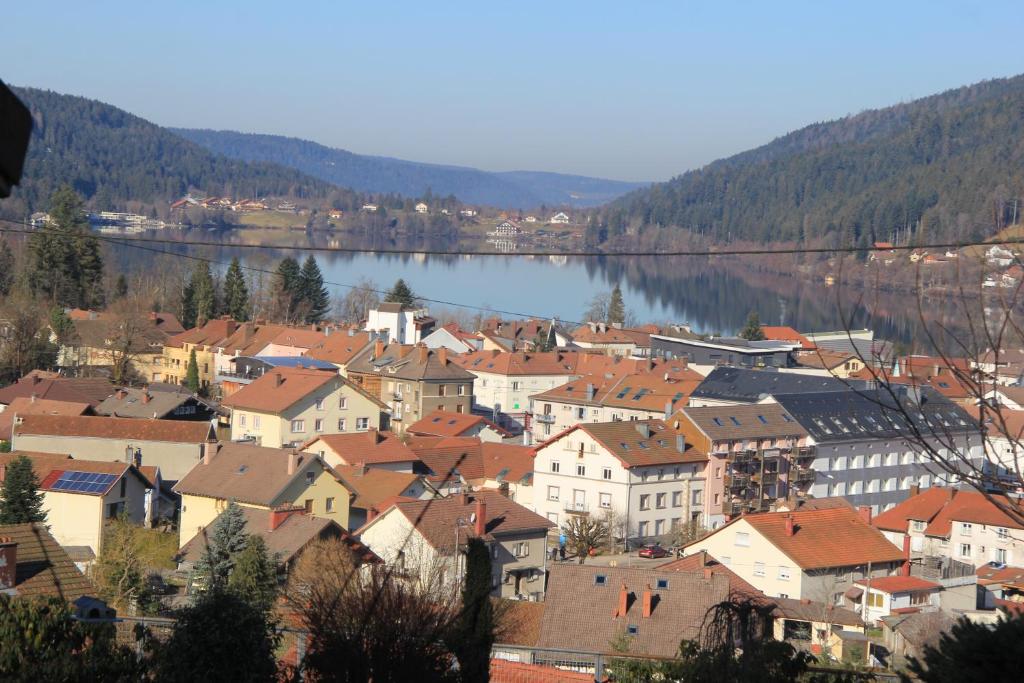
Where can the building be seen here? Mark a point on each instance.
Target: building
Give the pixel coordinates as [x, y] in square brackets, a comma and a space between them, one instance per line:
[757, 454]
[413, 381]
[421, 538]
[728, 386]
[22, 406]
[54, 387]
[247, 369]
[33, 564]
[81, 496]
[145, 403]
[205, 341]
[882, 596]
[375, 449]
[559, 218]
[258, 477]
[865, 449]
[614, 340]
[421, 208]
[954, 524]
[507, 228]
[376, 488]
[836, 363]
[447, 423]
[815, 554]
[101, 338]
[289, 406]
[725, 351]
[784, 333]
[454, 339]
[395, 322]
[175, 446]
[642, 476]
[521, 335]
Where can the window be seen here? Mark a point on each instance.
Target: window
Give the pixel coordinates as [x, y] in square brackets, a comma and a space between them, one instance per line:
[298, 426]
[645, 502]
[516, 386]
[255, 421]
[581, 413]
[759, 569]
[343, 402]
[965, 550]
[742, 539]
[662, 584]
[462, 390]
[718, 473]
[241, 419]
[581, 470]
[113, 509]
[605, 500]
[600, 580]
[318, 424]
[362, 424]
[606, 473]
[659, 500]
[319, 404]
[124, 484]
[697, 497]
[1002, 534]
[521, 549]
[552, 493]
[555, 466]
[307, 505]
[875, 599]
[341, 424]
[329, 505]
[999, 555]
[677, 499]
[917, 525]
[632, 630]
[718, 498]
[965, 528]
[642, 528]
[310, 476]
[784, 573]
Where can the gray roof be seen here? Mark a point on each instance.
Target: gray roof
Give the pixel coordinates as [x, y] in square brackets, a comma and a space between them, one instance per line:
[867, 349]
[857, 415]
[745, 422]
[416, 363]
[131, 404]
[750, 386]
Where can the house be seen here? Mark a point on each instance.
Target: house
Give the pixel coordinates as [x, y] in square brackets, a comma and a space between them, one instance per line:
[559, 218]
[999, 257]
[614, 340]
[906, 635]
[521, 335]
[757, 455]
[784, 333]
[341, 347]
[531, 219]
[413, 380]
[732, 351]
[334, 214]
[368, 208]
[957, 524]
[506, 228]
[861, 342]
[204, 341]
[286, 532]
[395, 322]
[468, 213]
[509, 469]
[649, 611]
[815, 554]
[248, 369]
[375, 449]
[821, 628]
[452, 464]
[882, 596]
[421, 208]
[375, 488]
[33, 564]
[143, 403]
[865, 448]
[37, 406]
[446, 423]
[837, 363]
[97, 335]
[611, 397]
[258, 477]
[642, 476]
[288, 406]
[454, 339]
[426, 538]
[54, 387]
[175, 446]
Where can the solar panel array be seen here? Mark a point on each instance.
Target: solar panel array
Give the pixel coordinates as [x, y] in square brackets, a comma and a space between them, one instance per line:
[83, 482]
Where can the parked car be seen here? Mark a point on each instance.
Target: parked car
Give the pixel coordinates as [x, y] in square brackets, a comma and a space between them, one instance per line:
[653, 551]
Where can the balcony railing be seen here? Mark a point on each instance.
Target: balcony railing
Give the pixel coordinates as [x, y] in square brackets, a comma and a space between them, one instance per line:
[576, 508]
[395, 396]
[804, 475]
[769, 478]
[545, 418]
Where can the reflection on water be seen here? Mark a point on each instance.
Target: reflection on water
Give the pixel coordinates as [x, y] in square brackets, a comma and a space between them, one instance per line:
[713, 296]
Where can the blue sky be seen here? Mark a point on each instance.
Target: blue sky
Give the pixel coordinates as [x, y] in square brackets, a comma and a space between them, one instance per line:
[630, 90]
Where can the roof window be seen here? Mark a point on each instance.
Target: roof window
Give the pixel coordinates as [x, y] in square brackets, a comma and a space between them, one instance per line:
[762, 419]
[600, 580]
[662, 584]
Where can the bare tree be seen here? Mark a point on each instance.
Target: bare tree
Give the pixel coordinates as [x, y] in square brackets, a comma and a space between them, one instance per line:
[356, 304]
[130, 334]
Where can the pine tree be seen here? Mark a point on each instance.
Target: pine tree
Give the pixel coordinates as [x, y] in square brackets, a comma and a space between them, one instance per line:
[188, 306]
[254, 577]
[6, 268]
[752, 330]
[616, 308]
[315, 298]
[400, 293]
[204, 293]
[64, 256]
[192, 373]
[475, 630]
[284, 289]
[236, 294]
[227, 540]
[20, 499]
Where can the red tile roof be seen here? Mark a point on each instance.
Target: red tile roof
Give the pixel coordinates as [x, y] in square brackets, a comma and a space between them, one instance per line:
[504, 671]
[508, 462]
[176, 431]
[634, 448]
[448, 423]
[989, 575]
[89, 390]
[40, 406]
[786, 334]
[370, 448]
[899, 584]
[43, 566]
[279, 389]
[373, 485]
[940, 507]
[339, 347]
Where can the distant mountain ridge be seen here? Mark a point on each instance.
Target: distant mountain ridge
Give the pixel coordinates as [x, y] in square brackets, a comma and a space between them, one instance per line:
[513, 189]
[945, 167]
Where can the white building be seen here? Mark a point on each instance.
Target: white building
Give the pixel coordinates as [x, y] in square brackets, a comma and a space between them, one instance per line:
[400, 324]
[641, 476]
[422, 208]
[507, 229]
[560, 218]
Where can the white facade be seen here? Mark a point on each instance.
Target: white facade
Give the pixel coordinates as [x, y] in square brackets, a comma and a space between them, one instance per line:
[399, 325]
[510, 394]
[647, 501]
[560, 218]
[968, 542]
[552, 417]
[422, 208]
[442, 337]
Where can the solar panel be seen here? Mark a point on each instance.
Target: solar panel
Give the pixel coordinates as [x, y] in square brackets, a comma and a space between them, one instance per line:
[83, 482]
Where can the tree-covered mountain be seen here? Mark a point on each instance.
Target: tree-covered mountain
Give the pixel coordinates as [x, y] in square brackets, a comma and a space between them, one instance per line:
[115, 159]
[949, 166]
[518, 189]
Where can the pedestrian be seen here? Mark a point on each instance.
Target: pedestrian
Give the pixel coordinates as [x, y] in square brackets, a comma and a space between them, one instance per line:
[561, 552]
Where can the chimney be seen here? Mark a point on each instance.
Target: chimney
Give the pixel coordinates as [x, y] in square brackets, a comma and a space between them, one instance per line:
[121, 394]
[361, 469]
[378, 349]
[292, 462]
[442, 355]
[905, 569]
[278, 379]
[680, 443]
[790, 526]
[915, 490]
[623, 606]
[145, 396]
[865, 513]
[648, 601]
[205, 449]
[481, 516]
[32, 398]
[278, 515]
[36, 379]
[708, 573]
[8, 562]
[590, 392]
[423, 352]
[643, 429]
[371, 514]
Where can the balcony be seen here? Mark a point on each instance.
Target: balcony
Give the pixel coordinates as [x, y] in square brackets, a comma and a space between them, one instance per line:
[769, 478]
[575, 508]
[395, 396]
[545, 418]
[804, 475]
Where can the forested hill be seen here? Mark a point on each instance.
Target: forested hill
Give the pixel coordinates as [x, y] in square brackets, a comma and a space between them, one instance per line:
[943, 167]
[516, 189]
[114, 158]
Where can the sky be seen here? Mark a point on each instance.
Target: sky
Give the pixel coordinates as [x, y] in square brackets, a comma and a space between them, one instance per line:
[627, 90]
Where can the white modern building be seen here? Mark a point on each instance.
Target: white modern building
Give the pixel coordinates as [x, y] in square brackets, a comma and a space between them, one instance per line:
[401, 324]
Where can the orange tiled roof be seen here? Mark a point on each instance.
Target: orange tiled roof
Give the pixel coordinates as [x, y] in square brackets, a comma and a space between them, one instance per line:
[371, 447]
[279, 389]
[448, 423]
[899, 584]
[176, 431]
[41, 406]
[43, 566]
[786, 333]
[940, 507]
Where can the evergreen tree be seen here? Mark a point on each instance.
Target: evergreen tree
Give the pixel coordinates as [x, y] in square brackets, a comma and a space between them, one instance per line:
[254, 577]
[315, 298]
[972, 652]
[65, 262]
[204, 293]
[236, 293]
[616, 308]
[475, 630]
[400, 293]
[752, 330]
[61, 326]
[120, 287]
[192, 373]
[284, 289]
[223, 546]
[20, 499]
[6, 267]
[188, 306]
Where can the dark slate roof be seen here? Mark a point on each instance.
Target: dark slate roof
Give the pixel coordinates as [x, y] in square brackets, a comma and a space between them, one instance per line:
[856, 415]
[750, 386]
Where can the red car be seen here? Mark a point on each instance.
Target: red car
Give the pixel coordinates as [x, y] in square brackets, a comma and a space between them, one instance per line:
[653, 551]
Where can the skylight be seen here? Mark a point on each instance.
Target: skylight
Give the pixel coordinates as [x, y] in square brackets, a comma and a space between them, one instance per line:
[734, 420]
[642, 444]
[622, 393]
[717, 421]
[762, 419]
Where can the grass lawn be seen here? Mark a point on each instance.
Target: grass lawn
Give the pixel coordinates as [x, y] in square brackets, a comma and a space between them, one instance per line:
[158, 548]
[273, 219]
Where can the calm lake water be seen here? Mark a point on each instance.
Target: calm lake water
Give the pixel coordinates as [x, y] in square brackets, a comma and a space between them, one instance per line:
[710, 296]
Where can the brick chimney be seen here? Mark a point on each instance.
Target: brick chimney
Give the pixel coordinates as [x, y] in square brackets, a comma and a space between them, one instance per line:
[481, 516]
[378, 348]
[648, 601]
[278, 379]
[205, 449]
[865, 513]
[442, 355]
[905, 569]
[121, 394]
[8, 562]
[145, 396]
[279, 515]
[623, 605]
[708, 573]
[292, 461]
[422, 353]
[915, 490]
[790, 526]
